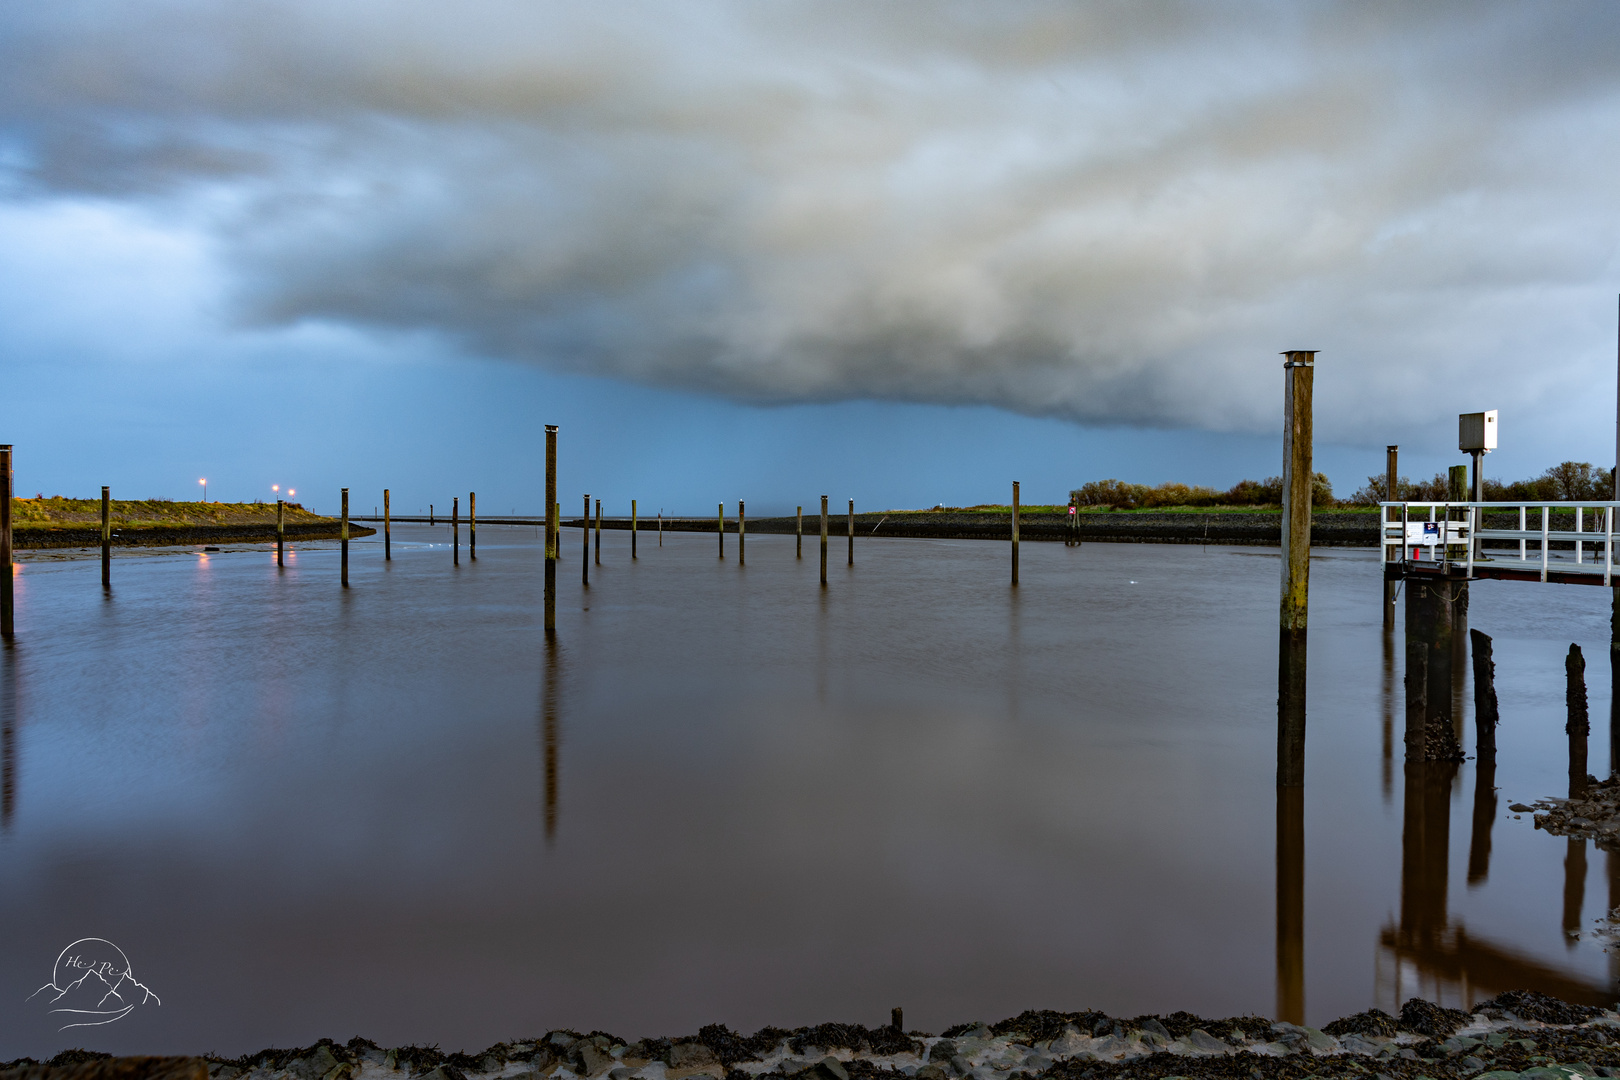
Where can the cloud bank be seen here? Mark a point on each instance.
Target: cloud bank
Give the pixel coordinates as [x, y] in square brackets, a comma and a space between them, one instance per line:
[1115, 213]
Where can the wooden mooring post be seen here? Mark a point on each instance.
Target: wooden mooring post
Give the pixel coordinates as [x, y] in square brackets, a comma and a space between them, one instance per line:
[1578, 724]
[472, 525]
[430, 514]
[7, 600]
[585, 531]
[388, 532]
[281, 533]
[106, 537]
[720, 520]
[1485, 707]
[742, 532]
[798, 536]
[598, 532]
[1392, 484]
[851, 532]
[632, 529]
[824, 541]
[1015, 533]
[344, 534]
[455, 530]
[1298, 373]
[552, 522]
[660, 528]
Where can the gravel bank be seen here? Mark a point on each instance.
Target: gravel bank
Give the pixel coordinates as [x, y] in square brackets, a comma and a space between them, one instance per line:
[1520, 1035]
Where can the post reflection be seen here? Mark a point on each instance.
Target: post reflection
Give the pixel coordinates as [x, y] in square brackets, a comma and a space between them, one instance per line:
[1388, 773]
[1291, 684]
[550, 698]
[8, 734]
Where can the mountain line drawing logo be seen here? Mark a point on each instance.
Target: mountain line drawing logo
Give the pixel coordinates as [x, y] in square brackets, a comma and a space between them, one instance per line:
[92, 984]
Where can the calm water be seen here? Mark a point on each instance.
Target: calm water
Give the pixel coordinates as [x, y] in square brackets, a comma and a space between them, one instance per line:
[727, 795]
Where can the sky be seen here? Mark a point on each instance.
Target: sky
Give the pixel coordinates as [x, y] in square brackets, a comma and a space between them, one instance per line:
[903, 253]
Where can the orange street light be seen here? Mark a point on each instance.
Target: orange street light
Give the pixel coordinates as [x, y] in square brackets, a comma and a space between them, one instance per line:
[204, 483]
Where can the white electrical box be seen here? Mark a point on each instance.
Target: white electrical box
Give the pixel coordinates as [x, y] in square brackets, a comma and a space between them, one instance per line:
[1476, 431]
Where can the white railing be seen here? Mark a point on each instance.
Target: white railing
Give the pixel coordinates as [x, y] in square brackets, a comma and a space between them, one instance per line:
[1449, 534]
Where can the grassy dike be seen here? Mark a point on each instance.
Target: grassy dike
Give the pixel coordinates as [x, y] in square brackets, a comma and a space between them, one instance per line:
[1330, 527]
[66, 523]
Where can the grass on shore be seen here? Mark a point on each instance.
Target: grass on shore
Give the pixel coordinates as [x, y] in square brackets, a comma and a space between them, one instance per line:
[1245, 508]
[57, 512]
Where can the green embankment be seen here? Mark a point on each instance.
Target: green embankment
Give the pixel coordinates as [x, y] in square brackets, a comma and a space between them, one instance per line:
[59, 522]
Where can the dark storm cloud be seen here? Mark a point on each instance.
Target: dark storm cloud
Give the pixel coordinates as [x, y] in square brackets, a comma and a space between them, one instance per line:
[1113, 212]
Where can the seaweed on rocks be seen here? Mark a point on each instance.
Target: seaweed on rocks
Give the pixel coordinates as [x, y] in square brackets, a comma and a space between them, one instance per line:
[727, 1045]
[850, 1037]
[1533, 1005]
[1039, 1025]
[1372, 1022]
[1426, 1018]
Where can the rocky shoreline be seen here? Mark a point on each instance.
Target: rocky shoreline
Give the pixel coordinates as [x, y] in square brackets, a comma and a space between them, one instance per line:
[1521, 1035]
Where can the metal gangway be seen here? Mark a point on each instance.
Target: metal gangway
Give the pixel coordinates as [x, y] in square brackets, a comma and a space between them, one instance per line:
[1566, 542]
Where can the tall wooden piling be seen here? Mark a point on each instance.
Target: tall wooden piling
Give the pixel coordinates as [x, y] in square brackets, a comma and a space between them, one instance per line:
[824, 541]
[7, 605]
[455, 530]
[106, 537]
[720, 525]
[742, 532]
[552, 522]
[897, 1019]
[1578, 724]
[430, 514]
[1392, 484]
[1015, 533]
[1431, 611]
[472, 525]
[798, 536]
[1485, 709]
[632, 529]
[1298, 373]
[388, 532]
[281, 533]
[344, 534]
[585, 531]
[598, 532]
[660, 528]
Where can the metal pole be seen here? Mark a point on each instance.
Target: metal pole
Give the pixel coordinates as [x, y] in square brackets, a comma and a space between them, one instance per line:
[472, 525]
[344, 534]
[388, 532]
[7, 609]
[585, 530]
[455, 530]
[632, 529]
[106, 537]
[551, 528]
[824, 541]
[1015, 533]
[742, 533]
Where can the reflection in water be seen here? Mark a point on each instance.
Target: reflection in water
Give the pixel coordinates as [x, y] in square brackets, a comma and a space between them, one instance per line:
[1389, 706]
[1574, 890]
[549, 696]
[1291, 827]
[1479, 846]
[8, 734]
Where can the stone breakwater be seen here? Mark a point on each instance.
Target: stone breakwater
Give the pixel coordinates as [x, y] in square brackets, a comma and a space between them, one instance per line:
[1520, 1035]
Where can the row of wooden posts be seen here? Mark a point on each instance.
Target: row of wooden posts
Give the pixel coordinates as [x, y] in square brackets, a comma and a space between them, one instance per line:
[553, 529]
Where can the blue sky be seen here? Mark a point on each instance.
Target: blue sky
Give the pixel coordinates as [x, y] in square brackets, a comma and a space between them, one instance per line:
[900, 253]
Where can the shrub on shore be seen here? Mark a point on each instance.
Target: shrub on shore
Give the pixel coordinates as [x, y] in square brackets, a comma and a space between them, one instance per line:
[1122, 496]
